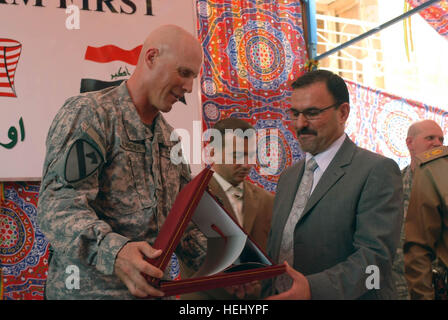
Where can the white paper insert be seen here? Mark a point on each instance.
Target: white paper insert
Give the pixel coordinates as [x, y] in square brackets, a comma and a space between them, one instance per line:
[221, 252]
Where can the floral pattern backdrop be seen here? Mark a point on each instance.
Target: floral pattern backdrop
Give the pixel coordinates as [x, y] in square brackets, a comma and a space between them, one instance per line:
[253, 50]
[23, 248]
[436, 15]
[379, 121]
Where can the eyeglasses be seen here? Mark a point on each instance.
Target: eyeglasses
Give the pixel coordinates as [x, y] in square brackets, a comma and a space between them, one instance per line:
[309, 114]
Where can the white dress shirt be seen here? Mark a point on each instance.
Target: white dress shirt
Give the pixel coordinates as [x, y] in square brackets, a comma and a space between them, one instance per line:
[234, 194]
[323, 159]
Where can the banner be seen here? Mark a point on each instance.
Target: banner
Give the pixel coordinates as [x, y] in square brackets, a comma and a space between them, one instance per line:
[52, 50]
[253, 51]
[23, 247]
[436, 15]
[379, 121]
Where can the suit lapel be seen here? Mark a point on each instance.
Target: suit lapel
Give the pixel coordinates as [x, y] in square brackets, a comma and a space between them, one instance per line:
[219, 193]
[332, 174]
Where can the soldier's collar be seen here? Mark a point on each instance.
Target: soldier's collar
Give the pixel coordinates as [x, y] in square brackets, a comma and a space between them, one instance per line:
[163, 130]
[134, 127]
[431, 155]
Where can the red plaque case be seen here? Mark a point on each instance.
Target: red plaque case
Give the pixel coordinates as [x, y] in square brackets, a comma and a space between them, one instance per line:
[232, 258]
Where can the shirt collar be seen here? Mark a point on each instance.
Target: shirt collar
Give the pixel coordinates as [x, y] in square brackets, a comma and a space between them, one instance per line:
[135, 128]
[225, 185]
[324, 158]
[406, 173]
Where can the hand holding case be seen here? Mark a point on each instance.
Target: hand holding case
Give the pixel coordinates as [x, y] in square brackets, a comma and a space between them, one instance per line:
[233, 258]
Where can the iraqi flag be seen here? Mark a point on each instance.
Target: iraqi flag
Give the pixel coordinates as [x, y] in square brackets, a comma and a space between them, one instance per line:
[107, 66]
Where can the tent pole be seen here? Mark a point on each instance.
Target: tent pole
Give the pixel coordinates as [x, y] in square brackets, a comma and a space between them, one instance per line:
[311, 24]
[374, 30]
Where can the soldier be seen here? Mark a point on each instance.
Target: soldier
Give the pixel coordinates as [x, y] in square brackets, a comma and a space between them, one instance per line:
[427, 222]
[108, 182]
[422, 136]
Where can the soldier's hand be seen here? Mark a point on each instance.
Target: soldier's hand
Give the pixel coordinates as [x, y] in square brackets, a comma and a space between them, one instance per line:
[130, 264]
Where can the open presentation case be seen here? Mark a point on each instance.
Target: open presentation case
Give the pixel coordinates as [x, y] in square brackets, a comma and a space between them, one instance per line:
[232, 258]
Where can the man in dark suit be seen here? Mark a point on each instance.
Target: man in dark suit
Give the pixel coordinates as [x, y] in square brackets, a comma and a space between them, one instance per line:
[337, 212]
[247, 203]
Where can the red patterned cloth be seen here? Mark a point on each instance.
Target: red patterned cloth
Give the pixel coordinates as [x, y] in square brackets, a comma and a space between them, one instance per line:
[436, 15]
[379, 121]
[23, 248]
[253, 51]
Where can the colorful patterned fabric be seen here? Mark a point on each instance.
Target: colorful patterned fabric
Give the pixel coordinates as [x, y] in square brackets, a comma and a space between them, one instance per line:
[253, 50]
[23, 248]
[379, 121]
[436, 15]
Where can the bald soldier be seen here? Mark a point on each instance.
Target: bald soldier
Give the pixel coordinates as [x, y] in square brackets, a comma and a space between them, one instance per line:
[427, 222]
[422, 136]
[108, 182]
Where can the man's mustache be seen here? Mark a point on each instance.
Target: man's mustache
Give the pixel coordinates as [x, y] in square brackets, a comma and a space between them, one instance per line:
[182, 99]
[306, 131]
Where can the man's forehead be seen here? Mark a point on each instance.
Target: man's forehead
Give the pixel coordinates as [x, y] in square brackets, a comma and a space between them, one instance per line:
[189, 58]
[310, 94]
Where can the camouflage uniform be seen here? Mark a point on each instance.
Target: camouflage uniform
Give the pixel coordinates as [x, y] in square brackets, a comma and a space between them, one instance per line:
[406, 175]
[427, 222]
[126, 198]
[398, 265]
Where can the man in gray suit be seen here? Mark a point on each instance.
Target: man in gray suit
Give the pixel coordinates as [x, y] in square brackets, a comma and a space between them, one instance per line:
[338, 212]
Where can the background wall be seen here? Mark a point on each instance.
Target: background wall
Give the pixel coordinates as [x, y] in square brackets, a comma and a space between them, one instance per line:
[52, 64]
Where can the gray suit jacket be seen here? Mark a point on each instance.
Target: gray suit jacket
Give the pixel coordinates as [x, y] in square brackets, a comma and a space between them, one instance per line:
[352, 220]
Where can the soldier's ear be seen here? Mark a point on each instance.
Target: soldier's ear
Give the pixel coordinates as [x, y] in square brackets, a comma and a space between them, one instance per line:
[409, 142]
[150, 56]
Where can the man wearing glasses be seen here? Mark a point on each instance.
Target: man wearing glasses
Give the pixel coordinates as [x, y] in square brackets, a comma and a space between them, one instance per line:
[337, 212]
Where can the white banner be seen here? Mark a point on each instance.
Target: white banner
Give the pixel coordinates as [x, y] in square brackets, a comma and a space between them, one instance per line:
[51, 50]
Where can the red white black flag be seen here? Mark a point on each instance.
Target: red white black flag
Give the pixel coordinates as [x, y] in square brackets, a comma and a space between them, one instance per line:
[108, 66]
